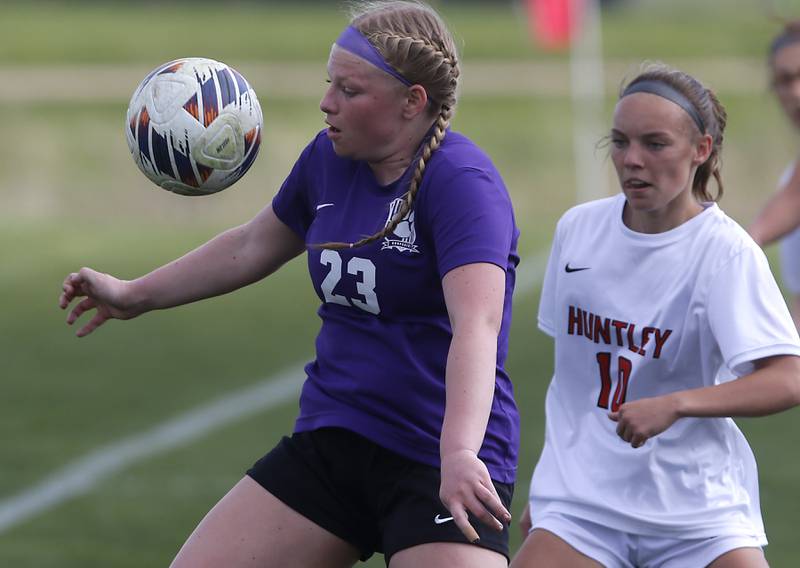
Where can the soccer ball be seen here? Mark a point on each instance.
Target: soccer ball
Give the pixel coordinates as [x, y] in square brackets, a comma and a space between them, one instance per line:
[194, 126]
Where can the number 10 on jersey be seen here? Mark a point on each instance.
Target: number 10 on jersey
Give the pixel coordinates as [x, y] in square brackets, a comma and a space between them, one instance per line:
[624, 368]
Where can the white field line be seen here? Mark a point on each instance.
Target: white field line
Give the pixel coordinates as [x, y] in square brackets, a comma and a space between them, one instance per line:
[82, 475]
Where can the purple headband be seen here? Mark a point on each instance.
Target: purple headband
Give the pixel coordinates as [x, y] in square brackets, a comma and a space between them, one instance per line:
[353, 41]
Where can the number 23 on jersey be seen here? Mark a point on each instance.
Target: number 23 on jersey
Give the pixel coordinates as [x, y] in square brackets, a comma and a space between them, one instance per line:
[362, 269]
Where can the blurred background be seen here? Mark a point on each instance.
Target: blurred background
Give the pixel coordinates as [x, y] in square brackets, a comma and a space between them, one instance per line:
[114, 446]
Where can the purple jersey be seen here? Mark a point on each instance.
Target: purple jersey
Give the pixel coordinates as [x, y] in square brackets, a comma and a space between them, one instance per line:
[382, 349]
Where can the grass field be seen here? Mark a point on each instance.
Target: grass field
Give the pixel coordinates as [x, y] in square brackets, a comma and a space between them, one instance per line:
[71, 196]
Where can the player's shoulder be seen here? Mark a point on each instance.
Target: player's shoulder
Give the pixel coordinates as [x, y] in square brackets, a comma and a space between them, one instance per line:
[722, 238]
[460, 169]
[722, 230]
[458, 152]
[592, 211]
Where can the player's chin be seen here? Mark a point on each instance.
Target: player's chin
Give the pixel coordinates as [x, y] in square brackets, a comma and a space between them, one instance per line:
[342, 150]
[350, 153]
[639, 201]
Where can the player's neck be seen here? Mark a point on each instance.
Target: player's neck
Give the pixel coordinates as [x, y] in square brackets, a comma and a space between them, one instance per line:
[389, 169]
[660, 220]
[402, 152]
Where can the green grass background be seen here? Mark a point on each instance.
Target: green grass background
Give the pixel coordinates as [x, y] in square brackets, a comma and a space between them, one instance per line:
[71, 196]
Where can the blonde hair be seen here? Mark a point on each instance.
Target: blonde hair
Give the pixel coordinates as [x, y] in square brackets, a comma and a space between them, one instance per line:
[710, 110]
[414, 40]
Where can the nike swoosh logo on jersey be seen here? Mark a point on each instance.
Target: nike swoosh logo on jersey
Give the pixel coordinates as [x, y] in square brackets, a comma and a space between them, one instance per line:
[324, 205]
[568, 268]
[438, 519]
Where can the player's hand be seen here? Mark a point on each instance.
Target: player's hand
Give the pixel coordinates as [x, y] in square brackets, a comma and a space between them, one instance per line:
[640, 420]
[525, 523]
[107, 295]
[467, 487]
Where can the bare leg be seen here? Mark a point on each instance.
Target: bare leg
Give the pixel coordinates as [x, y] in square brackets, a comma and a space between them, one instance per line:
[543, 549]
[250, 527]
[448, 554]
[741, 558]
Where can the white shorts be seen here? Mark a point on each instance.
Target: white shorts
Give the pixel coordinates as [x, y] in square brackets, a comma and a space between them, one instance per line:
[617, 549]
[789, 248]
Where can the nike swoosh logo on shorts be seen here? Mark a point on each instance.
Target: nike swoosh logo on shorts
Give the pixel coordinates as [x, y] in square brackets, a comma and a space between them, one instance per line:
[324, 205]
[438, 519]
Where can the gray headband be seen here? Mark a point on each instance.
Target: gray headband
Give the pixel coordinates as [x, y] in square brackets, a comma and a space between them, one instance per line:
[786, 38]
[665, 91]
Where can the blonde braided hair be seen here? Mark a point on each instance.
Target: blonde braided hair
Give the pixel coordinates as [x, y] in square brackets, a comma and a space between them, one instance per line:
[414, 40]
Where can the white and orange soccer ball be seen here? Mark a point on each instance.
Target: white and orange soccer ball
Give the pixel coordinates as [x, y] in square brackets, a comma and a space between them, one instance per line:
[194, 126]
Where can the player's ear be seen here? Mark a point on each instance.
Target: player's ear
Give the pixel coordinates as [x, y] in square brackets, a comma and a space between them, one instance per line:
[703, 148]
[416, 101]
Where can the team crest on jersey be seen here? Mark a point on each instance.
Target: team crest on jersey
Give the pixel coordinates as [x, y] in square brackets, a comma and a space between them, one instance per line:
[404, 236]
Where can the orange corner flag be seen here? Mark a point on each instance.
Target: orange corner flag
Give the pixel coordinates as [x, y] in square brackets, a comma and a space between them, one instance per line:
[554, 23]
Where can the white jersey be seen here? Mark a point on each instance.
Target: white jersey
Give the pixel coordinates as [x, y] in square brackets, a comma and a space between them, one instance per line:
[639, 315]
[789, 246]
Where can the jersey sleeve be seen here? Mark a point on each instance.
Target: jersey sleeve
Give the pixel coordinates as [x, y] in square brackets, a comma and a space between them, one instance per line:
[291, 204]
[747, 313]
[547, 301]
[471, 220]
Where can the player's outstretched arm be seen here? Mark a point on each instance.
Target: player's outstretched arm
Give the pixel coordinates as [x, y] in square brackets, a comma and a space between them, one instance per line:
[232, 259]
[780, 215]
[474, 296]
[773, 387]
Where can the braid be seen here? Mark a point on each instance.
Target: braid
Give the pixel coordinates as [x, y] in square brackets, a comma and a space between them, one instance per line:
[409, 49]
[439, 132]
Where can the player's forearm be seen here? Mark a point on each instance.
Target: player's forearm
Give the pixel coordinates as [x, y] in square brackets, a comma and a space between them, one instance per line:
[779, 216]
[768, 390]
[219, 266]
[470, 380]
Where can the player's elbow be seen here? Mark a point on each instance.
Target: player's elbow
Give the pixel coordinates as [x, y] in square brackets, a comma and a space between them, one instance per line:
[791, 368]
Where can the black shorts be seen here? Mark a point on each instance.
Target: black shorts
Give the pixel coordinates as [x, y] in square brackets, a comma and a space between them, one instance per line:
[365, 494]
